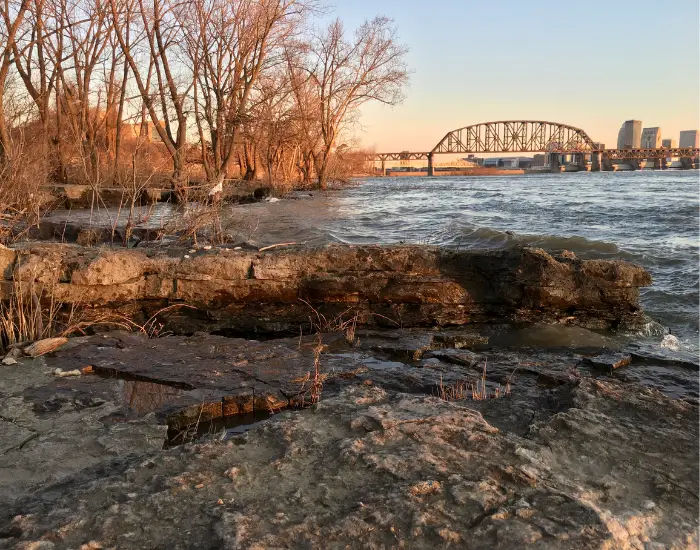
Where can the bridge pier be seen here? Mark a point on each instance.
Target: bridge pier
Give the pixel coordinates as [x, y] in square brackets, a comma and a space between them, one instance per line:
[660, 163]
[553, 162]
[580, 161]
[431, 169]
[688, 163]
[383, 167]
[596, 161]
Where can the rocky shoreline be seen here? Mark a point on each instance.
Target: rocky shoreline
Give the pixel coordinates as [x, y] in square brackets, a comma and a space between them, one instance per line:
[197, 439]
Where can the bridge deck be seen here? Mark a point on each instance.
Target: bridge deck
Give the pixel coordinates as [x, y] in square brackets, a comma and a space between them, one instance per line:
[612, 154]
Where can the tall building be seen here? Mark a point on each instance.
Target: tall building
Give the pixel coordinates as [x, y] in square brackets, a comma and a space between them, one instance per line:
[630, 135]
[689, 138]
[669, 143]
[651, 138]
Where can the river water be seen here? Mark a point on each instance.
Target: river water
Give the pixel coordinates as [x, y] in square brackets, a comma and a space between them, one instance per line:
[646, 217]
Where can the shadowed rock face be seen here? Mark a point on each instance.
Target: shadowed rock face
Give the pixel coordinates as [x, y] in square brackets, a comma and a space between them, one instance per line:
[405, 286]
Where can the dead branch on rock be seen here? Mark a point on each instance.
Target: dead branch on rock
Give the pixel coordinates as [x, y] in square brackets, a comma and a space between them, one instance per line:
[270, 247]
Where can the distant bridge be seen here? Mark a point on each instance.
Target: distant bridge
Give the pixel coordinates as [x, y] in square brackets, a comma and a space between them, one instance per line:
[529, 136]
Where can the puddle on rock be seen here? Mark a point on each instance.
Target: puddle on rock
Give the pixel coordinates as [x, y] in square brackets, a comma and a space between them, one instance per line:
[228, 427]
[174, 406]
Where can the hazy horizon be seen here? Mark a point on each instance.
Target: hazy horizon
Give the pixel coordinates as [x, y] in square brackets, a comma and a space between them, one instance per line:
[592, 67]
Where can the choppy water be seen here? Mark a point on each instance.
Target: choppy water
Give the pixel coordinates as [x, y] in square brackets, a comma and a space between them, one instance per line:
[646, 217]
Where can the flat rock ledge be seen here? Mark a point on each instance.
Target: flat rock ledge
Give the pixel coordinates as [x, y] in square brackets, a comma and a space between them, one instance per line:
[274, 290]
[376, 469]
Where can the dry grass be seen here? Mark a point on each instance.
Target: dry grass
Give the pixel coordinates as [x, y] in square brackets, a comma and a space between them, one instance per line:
[461, 389]
[33, 313]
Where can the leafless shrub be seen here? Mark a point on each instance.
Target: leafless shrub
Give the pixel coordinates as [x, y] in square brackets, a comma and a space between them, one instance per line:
[22, 200]
[345, 322]
[201, 222]
[153, 327]
[34, 312]
[311, 384]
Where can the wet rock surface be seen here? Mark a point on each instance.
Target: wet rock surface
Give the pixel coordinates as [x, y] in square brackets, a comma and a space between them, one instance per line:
[375, 469]
[274, 291]
[573, 457]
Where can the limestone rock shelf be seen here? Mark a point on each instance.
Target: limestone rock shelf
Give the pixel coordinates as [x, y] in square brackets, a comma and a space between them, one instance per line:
[272, 291]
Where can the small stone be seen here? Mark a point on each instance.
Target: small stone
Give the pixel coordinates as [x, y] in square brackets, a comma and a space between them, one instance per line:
[207, 247]
[63, 373]
[220, 502]
[649, 505]
[9, 360]
[522, 503]
[568, 254]
[186, 256]
[199, 486]
[524, 513]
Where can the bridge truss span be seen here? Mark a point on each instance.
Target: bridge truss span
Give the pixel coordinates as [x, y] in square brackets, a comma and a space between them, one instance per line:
[516, 136]
[404, 155]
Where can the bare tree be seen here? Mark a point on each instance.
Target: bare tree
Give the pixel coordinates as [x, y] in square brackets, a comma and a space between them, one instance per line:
[307, 123]
[12, 17]
[229, 45]
[262, 96]
[88, 28]
[275, 122]
[157, 30]
[346, 74]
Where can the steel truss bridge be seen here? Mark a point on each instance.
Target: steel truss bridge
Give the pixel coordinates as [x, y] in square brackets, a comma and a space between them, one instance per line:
[529, 136]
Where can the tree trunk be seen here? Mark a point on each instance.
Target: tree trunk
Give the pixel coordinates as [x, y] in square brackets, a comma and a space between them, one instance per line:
[251, 173]
[322, 170]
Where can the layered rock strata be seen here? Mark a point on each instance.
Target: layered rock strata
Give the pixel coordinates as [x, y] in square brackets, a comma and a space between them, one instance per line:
[279, 289]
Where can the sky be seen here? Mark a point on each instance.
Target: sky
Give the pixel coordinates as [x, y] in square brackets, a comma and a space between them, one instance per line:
[589, 64]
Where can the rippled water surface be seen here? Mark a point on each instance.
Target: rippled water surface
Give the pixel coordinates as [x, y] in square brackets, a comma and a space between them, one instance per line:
[646, 217]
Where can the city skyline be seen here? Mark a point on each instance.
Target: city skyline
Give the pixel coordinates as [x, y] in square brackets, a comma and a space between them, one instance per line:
[462, 74]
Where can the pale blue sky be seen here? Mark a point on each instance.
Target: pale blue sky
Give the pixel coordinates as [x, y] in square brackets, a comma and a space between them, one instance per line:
[591, 64]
